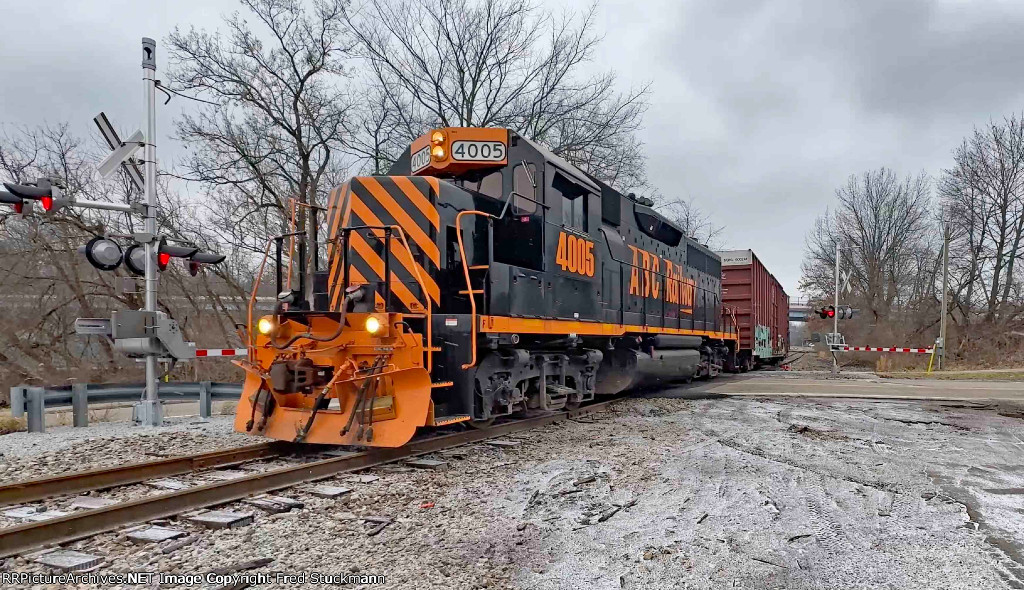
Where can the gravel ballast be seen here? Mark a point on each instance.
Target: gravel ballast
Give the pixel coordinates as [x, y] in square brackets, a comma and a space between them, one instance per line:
[61, 449]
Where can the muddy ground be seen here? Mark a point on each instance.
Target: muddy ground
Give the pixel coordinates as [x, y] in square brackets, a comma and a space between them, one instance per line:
[666, 492]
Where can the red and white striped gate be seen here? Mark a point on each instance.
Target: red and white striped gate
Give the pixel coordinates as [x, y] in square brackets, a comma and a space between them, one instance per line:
[881, 349]
[212, 352]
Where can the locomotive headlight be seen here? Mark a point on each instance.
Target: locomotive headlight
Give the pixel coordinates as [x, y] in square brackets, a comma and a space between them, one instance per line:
[437, 138]
[266, 325]
[437, 152]
[372, 325]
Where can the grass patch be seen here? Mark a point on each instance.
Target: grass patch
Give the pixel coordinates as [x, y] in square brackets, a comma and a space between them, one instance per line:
[1016, 375]
[9, 424]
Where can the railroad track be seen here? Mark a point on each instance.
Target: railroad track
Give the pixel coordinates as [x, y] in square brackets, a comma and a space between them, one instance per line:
[98, 479]
[86, 523]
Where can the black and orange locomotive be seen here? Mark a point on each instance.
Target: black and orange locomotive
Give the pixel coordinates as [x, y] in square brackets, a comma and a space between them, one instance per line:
[481, 277]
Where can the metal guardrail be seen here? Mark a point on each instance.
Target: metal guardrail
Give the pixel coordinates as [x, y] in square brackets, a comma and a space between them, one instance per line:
[33, 401]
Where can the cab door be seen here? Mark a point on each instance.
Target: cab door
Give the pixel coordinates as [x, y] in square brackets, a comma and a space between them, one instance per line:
[519, 235]
[519, 240]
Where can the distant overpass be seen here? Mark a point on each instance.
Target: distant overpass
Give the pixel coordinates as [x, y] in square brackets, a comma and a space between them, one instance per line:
[799, 312]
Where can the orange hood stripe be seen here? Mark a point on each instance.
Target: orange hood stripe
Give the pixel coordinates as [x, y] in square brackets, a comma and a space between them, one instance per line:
[418, 199]
[401, 217]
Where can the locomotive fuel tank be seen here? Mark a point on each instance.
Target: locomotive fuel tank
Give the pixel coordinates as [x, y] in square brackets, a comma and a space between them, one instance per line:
[626, 368]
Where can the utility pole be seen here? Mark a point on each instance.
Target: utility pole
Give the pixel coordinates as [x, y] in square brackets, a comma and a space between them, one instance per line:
[835, 317]
[150, 412]
[945, 291]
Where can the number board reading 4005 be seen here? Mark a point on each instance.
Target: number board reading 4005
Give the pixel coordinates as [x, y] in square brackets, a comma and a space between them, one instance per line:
[487, 151]
[575, 254]
[420, 159]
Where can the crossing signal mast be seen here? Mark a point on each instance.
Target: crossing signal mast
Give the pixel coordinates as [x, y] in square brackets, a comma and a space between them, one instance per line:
[147, 333]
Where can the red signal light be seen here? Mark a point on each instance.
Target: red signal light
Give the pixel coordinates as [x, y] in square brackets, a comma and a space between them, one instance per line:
[46, 202]
[830, 312]
[163, 259]
[19, 207]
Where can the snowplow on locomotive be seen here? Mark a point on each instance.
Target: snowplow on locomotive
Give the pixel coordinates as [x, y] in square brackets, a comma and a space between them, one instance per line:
[481, 277]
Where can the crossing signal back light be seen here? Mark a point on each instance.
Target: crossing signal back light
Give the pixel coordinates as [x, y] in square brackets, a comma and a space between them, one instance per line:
[44, 190]
[198, 259]
[103, 253]
[13, 200]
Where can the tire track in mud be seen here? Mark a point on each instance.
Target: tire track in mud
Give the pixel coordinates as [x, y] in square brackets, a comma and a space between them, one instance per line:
[731, 443]
[1007, 553]
[828, 533]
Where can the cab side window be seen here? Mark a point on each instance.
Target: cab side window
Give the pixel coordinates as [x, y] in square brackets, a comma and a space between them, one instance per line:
[574, 201]
[523, 180]
[489, 184]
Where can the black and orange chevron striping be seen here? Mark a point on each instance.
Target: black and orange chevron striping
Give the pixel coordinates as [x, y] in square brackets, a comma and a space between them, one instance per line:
[409, 202]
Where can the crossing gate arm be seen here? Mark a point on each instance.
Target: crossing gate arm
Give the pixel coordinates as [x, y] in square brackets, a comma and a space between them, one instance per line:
[882, 349]
[215, 352]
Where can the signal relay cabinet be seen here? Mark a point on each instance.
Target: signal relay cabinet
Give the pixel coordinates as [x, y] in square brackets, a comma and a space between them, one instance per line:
[761, 306]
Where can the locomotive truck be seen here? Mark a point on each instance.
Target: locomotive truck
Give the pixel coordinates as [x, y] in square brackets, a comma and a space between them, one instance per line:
[482, 276]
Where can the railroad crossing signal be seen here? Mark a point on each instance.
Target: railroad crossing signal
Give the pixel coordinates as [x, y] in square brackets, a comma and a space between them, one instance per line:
[105, 254]
[121, 152]
[18, 203]
[198, 259]
[44, 190]
[165, 252]
[844, 312]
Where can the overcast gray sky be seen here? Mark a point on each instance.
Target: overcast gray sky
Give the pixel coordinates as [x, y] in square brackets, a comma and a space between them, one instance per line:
[758, 109]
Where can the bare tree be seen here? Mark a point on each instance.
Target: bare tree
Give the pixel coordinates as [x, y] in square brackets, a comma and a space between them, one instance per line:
[273, 142]
[887, 237]
[983, 194]
[690, 218]
[499, 63]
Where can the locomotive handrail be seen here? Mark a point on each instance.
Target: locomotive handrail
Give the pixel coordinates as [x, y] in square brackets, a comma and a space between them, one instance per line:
[344, 231]
[426, 296]
[469, 285]
[387, 279]
[250, 333]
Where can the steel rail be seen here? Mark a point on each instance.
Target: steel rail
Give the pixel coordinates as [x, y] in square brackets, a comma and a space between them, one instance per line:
[98, 479]
[18, 539]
